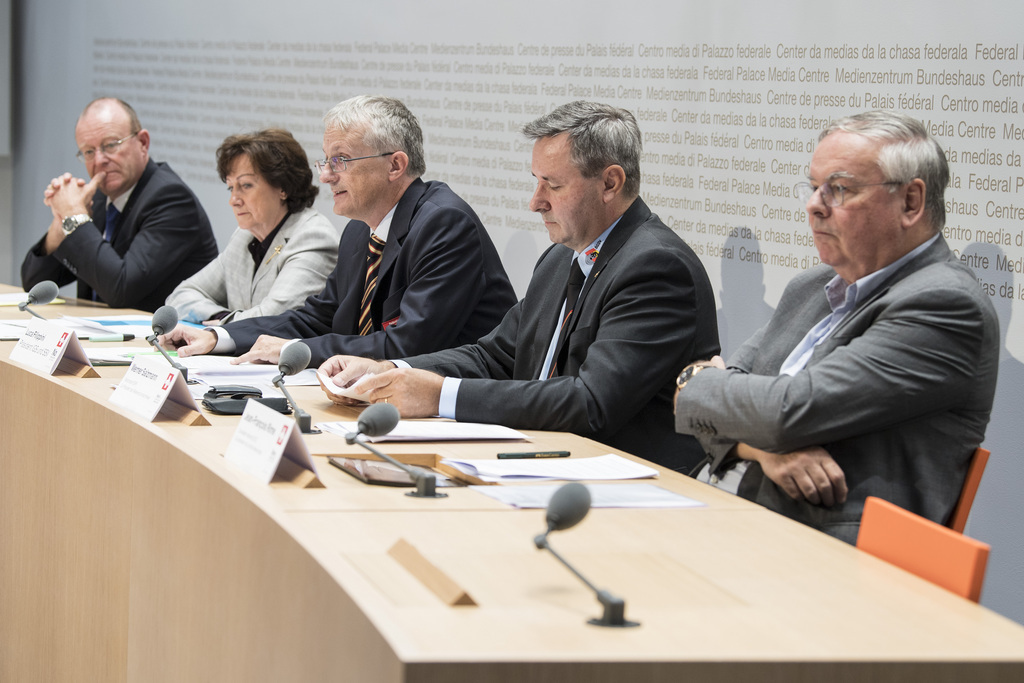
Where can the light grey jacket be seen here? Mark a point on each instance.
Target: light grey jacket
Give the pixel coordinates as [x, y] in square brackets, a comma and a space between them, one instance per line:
[301, 256]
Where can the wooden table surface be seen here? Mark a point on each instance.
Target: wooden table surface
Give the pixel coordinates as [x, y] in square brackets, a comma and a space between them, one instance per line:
[132, 551]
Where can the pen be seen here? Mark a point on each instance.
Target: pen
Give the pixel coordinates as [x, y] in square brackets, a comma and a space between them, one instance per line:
[533, 454]
[114, 337]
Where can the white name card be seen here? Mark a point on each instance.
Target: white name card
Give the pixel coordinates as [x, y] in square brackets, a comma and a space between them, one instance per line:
[262, 437]
[48, 347]
[152, 387]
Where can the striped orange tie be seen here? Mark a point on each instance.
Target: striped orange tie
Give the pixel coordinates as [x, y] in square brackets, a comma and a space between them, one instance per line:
[373, 259]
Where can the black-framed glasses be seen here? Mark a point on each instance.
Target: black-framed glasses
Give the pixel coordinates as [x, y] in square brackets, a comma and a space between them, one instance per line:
[833, 193]
[339, 164]
[108, 148]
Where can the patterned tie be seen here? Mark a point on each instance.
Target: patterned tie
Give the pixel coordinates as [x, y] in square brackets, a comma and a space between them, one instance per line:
[110, 227]
[573, 287]
[373, 259]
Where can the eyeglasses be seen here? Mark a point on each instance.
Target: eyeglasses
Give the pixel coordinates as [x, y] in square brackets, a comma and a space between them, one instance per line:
[833, 193]
[108, 148]
[339, 164]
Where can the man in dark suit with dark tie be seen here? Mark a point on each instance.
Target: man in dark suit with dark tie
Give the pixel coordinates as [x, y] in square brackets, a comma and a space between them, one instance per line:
[596, 353]
[416, 269]
[133, 232]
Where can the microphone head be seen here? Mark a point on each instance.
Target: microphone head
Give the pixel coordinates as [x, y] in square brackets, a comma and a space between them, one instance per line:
[164, 320]
[378, 419]
[294, 358]
[568, 506]
[43, 293]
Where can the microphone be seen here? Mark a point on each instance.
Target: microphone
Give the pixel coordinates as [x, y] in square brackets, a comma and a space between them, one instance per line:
[567, 508]
[164, 320]
[379, 419]
[294, 359]
[42, 293]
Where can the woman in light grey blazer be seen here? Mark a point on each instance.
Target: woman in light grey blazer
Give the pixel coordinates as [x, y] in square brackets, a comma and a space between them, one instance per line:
[282, 251]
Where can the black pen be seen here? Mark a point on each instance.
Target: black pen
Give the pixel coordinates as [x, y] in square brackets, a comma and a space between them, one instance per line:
[533, 454]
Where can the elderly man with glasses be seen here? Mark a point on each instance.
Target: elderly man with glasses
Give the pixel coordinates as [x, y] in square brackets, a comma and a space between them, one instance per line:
[130, 234]
[416, 269]
[876, 374]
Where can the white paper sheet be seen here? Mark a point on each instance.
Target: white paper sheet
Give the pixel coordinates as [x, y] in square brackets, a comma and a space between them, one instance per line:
[139, 325]
[15, 298]
[118, 355]
[602, 467]
[601, 496]
[219, 370]
[432, 430]
[352, 392]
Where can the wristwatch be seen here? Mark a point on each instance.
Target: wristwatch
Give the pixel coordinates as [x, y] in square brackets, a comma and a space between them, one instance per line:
[71, 223]
[687, 374]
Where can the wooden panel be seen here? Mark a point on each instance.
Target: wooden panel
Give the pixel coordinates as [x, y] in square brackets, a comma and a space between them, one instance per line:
[65, 518]
[221, 592]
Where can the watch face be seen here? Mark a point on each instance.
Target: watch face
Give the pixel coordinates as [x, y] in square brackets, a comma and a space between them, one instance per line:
[71, 223]
[688, 374]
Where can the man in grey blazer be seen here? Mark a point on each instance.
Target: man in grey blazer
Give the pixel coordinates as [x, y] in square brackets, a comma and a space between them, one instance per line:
[602, 361]
[875, 376]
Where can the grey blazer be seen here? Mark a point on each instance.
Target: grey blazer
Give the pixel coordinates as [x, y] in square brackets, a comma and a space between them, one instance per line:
[301, 255]
[900, 394]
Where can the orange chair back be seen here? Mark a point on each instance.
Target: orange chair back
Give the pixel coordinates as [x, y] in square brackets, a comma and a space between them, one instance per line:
[958, 520]
[932, 551]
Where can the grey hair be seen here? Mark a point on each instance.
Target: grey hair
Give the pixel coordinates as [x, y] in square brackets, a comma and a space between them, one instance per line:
[909, 152]
[600, 135]
[387, 125]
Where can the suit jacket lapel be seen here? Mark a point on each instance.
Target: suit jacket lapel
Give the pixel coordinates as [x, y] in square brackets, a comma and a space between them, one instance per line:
[264, 268]
[635, 215]
[399, 230]
[276, 246]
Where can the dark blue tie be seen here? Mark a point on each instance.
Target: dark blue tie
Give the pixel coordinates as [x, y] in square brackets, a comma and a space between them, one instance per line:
[113, 215]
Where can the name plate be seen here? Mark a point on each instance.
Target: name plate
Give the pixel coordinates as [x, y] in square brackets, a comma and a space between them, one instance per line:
[267, 443]
[152, 387]
[48, 347]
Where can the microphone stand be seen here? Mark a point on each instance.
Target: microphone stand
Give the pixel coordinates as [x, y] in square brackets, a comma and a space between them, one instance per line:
[614, 607]
[302, 418]
[426, 482]
[23, 307]
[178, 366]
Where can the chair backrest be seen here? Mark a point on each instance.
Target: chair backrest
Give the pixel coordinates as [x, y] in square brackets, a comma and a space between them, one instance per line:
[958, 520]
[932, 551]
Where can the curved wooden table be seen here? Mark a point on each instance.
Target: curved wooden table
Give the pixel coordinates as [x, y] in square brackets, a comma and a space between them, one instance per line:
[131, 551]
